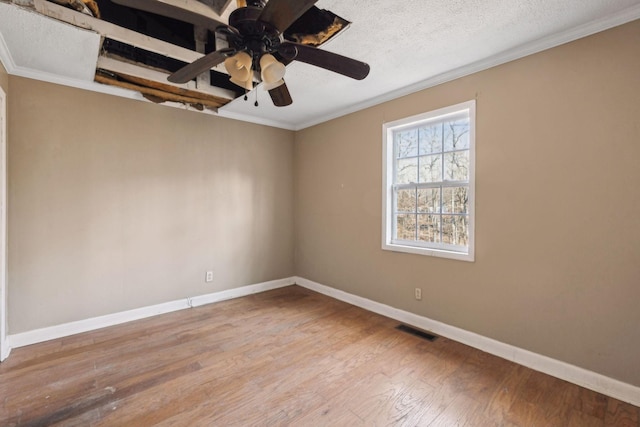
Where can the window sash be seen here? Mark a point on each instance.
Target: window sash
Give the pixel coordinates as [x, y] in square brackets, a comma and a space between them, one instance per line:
[440, 213]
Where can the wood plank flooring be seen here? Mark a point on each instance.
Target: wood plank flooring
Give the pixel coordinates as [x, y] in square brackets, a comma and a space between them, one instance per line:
[284, 357]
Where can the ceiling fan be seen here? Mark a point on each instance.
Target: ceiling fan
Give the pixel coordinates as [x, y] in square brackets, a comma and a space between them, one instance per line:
[256, 47]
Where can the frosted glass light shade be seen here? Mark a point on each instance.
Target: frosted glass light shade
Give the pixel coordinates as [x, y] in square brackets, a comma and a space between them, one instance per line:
[239, 67]
[272, 70]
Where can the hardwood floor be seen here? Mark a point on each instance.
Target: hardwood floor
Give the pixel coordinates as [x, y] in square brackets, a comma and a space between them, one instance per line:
[284, 357]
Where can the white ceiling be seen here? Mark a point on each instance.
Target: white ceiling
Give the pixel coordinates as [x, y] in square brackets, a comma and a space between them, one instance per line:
[410, 45]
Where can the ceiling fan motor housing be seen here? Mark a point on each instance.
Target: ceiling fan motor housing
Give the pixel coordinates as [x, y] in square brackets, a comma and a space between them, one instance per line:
[256, 37]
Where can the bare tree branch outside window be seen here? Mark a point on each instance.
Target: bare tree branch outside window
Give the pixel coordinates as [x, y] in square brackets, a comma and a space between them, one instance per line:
[433, 160]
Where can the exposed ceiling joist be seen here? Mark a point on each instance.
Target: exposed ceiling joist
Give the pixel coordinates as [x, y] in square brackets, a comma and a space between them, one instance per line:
[117, 66]
[156, 95]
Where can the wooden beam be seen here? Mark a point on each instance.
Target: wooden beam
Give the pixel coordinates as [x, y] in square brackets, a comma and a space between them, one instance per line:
[166, 87]
[158, 95]
[159, 79]
[81, 6]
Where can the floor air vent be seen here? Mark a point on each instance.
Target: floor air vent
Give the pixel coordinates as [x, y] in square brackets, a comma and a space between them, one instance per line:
[413, 331]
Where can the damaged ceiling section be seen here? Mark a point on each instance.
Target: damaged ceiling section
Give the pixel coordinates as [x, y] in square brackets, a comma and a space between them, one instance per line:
[142, 43]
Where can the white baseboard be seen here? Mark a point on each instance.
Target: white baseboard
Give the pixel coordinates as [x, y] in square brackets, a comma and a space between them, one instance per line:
[556, 368]
[576, 375]
[6, 349]
[39, 335]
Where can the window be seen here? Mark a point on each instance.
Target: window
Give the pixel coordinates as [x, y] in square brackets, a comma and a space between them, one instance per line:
[428, 178]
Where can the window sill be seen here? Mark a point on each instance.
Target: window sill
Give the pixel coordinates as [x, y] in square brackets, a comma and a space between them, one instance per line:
[460, 256]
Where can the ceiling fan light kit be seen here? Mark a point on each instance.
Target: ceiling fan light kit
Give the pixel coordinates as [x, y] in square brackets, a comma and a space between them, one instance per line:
[239, 68]
[256, 44]
[271, 70]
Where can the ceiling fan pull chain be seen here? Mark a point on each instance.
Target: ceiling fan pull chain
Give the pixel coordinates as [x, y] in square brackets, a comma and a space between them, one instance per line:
[256, 103]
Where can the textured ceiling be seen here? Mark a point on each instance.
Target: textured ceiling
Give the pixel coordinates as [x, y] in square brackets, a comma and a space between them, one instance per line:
[50, 49]
[410, 45]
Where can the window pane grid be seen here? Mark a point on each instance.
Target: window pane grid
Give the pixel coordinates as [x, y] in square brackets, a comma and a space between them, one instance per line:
[424, 157]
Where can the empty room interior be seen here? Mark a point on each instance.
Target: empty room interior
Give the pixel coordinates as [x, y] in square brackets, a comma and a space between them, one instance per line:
[319, 213]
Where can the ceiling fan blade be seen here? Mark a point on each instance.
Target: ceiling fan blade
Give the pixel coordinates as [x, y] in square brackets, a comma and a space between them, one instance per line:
[281, 96]
[199, 14]
[328, 60]
[200, 65]
[282, 13]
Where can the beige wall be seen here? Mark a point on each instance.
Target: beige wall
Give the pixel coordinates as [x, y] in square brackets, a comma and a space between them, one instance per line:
[117, 204]
[557, 266]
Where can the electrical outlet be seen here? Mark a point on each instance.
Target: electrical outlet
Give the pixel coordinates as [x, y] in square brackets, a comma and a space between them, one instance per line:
[209, 276]
[418, 293]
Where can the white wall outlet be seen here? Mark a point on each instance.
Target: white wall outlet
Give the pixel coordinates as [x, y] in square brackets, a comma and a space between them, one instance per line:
[418, 293]
[209, 276]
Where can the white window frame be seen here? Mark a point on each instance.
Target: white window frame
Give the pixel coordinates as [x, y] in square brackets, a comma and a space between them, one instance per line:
[423, 248]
